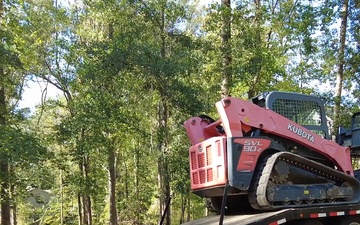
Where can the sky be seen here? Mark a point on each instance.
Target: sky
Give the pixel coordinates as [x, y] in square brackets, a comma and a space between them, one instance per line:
[33, 92]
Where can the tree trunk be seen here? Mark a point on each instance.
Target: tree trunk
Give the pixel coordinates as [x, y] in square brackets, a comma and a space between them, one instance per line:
[160, 188]
[112, 182]
[61, 199]
[86, 200]
[82, 201]
[87, 218]
[163, 139]
[137, 187]
[340, 71]
[226, 48]
[80, 220]
[167, 190]
[5, 197]
[188, 209]
[12, 193]
[4, 163]
[256, 60]
[14, 215]
[163, 164]
[112, 161]
[184, 200]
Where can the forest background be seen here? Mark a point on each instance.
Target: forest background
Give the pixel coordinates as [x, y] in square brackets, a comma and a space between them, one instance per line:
[112, 150]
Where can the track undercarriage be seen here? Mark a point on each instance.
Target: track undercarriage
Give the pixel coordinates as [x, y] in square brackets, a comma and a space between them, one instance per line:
[289, 179]
[285, 180]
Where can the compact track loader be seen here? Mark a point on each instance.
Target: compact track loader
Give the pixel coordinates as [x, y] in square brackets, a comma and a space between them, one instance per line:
[271, 153]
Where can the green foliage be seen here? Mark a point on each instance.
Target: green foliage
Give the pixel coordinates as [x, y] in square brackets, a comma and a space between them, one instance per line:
[264, 44]
[23, 150]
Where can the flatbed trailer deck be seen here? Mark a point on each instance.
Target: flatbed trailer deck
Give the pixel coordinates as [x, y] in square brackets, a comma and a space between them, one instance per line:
[327, 215]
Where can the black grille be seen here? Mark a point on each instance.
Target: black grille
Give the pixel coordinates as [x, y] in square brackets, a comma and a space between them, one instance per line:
[300, 111]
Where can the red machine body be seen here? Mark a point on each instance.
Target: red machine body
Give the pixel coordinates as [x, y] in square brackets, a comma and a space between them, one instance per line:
[238, 116]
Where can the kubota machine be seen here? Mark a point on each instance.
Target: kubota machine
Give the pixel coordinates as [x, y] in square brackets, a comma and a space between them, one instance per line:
[273, 155]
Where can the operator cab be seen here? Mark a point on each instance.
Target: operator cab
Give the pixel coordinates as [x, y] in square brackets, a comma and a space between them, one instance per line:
[305, 110]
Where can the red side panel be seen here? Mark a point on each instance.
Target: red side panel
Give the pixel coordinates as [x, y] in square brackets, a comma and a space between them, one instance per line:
[251, 151]
[208, 163]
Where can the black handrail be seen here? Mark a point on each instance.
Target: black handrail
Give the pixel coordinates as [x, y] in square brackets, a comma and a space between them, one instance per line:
[223, 204]
[165, 211]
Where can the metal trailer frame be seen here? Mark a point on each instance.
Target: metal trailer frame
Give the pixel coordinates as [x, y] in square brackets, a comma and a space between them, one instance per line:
[330, 215]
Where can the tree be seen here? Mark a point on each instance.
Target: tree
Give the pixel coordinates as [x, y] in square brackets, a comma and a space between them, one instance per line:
[165, 62]
[340, 65]
[354, 14]
[226, 48]
[10, 89]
